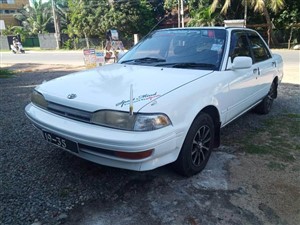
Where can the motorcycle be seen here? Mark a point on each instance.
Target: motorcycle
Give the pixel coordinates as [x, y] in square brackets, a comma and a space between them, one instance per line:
[17, 48]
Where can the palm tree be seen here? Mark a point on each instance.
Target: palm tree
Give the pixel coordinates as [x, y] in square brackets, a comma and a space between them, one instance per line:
[35, 18]
[258, 6]
[203, 17]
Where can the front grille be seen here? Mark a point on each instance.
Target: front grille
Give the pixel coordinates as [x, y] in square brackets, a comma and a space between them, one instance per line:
[69, 112]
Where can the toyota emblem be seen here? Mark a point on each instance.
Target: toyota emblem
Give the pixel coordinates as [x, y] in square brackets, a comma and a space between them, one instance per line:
[71, 96]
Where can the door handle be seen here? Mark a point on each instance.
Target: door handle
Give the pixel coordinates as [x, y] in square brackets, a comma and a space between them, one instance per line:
[256, 71]
[274, 64]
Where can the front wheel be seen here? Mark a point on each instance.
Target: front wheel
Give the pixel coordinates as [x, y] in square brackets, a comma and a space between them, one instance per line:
[197, 146]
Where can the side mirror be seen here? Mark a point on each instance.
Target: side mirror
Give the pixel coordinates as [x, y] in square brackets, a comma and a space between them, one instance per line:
[241, 62]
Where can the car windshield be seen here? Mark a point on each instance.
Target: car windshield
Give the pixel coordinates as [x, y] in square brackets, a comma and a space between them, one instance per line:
[179, 48]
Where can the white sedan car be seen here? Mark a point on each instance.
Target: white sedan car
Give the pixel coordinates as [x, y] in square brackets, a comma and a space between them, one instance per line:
[165, 100]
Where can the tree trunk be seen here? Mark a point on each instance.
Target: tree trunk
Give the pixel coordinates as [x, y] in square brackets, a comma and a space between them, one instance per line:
[56, 26]
[271, 37]
[290, 38]
[86, 40]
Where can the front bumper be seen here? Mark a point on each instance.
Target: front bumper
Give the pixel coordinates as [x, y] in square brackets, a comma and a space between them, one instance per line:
[166, 142]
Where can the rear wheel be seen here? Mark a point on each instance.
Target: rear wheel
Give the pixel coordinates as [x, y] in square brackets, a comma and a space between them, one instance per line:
[197, 146]
[265, 106]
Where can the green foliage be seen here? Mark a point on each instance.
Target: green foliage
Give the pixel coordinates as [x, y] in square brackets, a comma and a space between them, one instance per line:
[61, 9]
[288, 16]
[68, 44]
[256, 5]
[94, 18]
[16, 30]
[170, 4]
[201, 14]
[35, 18]
[5, 73]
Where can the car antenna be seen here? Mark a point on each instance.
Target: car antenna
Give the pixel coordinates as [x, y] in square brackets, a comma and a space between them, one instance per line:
[161, 20]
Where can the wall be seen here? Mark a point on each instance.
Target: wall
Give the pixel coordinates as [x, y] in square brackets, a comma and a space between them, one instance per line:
[47, 41]
[4, 43]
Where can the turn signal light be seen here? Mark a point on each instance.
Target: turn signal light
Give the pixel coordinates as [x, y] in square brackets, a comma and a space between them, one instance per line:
[134, 155]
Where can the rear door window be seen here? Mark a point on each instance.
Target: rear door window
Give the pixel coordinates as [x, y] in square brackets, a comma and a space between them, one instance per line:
[258, 47]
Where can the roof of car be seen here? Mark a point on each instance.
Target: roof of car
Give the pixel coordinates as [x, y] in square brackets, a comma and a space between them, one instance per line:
[200, 28]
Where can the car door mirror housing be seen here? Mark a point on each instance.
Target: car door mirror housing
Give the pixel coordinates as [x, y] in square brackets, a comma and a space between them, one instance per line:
[241, 62]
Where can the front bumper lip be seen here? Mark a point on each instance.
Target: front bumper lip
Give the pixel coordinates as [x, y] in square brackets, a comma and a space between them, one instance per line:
[162, 141]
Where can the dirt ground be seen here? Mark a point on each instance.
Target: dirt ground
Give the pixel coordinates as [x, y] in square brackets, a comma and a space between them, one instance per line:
[253, 178]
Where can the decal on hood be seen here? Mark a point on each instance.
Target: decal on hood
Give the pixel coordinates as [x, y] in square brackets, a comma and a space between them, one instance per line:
[140, 98]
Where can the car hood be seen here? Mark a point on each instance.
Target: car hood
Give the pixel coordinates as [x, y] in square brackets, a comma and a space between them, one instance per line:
[108, 87]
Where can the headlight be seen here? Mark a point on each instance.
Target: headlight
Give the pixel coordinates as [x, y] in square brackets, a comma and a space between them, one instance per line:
[38, 99]
[146, 122]
[136, 122]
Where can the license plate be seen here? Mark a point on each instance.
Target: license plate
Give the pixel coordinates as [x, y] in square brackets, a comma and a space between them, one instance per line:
[61, 142]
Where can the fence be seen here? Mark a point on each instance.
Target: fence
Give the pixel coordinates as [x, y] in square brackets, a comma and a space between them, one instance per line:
[286, 37]
[30, 42]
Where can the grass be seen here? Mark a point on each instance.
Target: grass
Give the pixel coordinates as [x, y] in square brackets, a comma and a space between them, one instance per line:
[279, 136]
[276, 166]
[5, 73]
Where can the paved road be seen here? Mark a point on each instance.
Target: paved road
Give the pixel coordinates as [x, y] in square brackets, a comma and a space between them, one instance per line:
[291, 65]
[44, 57]
[75, 58]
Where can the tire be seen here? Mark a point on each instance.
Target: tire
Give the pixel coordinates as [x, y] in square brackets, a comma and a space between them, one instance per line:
[265, 106]
[197, 146]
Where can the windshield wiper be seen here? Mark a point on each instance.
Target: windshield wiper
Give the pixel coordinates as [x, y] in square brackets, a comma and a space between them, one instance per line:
[188, 65]
[145, 60]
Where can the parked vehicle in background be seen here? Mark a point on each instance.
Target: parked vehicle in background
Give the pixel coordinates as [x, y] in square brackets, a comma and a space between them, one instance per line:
[165, 101]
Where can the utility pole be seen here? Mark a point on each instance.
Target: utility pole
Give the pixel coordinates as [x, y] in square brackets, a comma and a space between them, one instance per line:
[245, 13]
[178, 13]
[182, 14]
[56, 26]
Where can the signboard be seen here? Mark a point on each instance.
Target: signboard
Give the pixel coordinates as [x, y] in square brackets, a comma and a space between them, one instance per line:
[93, 58]
[89, 58]
[114, 35]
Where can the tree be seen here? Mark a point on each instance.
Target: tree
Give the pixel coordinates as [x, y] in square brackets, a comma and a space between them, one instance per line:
[288, 20]
[35, 18]
[201, 14]
[86, 18]
[16, 30]
[202, 17]
[128, 17]
[94, 18]
[258, 6]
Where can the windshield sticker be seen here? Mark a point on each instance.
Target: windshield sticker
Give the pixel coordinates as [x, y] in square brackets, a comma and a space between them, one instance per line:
[216, 47]
[140, 98]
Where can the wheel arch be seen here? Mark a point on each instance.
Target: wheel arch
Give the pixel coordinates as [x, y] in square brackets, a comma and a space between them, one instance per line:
[214, 113]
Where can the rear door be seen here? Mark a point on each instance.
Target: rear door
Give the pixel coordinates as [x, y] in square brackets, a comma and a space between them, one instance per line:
[263, 63]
